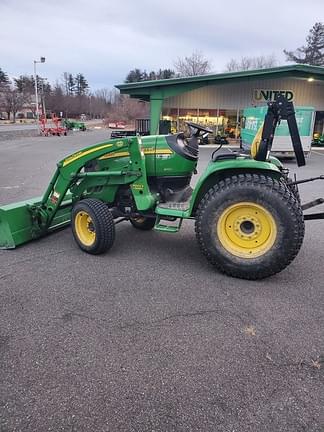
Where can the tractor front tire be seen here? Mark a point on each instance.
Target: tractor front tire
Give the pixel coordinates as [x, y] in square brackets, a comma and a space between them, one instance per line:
[93, 226]
[250, 226]
[143, 223]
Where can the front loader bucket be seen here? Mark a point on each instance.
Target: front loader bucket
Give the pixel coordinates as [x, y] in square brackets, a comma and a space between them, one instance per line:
[17, 226]
[31, 219]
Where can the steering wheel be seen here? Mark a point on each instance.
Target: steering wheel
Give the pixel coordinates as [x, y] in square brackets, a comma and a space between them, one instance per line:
[199, 128]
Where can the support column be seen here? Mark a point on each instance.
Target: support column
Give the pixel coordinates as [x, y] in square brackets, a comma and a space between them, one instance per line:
[237, 123]
[155, 113]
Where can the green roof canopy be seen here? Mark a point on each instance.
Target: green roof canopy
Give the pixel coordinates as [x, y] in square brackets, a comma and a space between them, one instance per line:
[156, 91]
[171, 87]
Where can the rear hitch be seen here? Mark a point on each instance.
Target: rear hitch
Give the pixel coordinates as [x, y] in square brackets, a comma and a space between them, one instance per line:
[313, 216]
[297, 182]
[310, 204]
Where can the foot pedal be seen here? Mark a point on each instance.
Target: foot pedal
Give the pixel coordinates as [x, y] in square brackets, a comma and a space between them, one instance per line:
[171, 228]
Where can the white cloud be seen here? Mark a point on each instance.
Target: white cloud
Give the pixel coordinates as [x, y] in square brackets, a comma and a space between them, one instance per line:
[105, 39]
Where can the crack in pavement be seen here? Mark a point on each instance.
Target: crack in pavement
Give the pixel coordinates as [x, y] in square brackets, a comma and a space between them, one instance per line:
[169, 317]
[33, 258]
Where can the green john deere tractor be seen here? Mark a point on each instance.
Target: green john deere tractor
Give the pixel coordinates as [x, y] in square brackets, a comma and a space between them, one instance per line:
[248, 217]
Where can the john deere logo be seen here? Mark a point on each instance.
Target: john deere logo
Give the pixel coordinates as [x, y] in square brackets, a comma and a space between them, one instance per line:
[260, 95]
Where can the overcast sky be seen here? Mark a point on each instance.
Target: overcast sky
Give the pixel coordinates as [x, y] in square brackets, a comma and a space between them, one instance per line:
[104, 40]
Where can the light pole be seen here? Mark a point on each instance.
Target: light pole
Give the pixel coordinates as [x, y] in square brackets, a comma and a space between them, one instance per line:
[42, 60]
[43, 98]
[90, 107]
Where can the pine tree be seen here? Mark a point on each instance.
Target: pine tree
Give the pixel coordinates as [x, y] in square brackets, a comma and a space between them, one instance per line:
[313, 52]
[81, 85]
[165, 74]
[137, 75]
[25, 84]
[71, 85]
[152, 76]
[3, 77]
[68, 83]
[134, 75]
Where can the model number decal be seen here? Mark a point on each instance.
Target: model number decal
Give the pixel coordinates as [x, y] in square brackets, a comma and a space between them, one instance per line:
[137, 186]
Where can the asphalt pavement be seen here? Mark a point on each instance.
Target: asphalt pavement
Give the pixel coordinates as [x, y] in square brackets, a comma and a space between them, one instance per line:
[17, 126]
[21, 126]
[149, 337]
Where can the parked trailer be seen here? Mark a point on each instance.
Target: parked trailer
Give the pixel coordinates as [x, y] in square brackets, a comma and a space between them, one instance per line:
[54, 128]
[252, 124]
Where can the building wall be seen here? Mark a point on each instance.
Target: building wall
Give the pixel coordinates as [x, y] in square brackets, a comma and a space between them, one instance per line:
[240, 95]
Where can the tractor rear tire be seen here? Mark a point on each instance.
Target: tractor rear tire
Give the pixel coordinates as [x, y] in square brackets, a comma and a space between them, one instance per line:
[293, 188]
[143, 223]
[250, 226]
[93, 226]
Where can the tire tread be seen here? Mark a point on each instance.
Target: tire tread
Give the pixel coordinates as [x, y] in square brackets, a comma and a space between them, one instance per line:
[257, 181]
[105, 227]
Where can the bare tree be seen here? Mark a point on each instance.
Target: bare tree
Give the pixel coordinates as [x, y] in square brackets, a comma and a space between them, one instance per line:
[3, 90]
[54, 100]
[25, 85]
[126, 108]
[13, 101]
[265, 62]
[61, 97]
[105, 94]
[248, 63]
[101, 102]
[196, 64]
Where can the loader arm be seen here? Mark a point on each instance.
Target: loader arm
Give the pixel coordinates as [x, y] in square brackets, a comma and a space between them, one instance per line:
[31, 219]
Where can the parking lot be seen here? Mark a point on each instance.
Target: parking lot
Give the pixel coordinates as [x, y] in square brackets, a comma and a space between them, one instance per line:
[149, 337]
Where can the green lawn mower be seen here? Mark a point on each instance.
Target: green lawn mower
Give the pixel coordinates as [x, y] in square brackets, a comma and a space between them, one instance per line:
[318, 140]
[74, 125]
[248, 217]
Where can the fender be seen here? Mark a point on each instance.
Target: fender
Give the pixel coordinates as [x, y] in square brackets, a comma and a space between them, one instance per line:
[222, 168]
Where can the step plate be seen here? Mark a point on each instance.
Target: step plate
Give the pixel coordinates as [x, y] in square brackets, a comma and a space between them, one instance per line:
[182, 206]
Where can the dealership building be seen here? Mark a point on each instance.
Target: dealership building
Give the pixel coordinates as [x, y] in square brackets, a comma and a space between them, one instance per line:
[218, 100]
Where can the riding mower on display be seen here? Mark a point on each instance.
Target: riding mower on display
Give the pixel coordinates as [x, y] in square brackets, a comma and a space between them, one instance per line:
[318, 140]
[74, 125]
[249, 221]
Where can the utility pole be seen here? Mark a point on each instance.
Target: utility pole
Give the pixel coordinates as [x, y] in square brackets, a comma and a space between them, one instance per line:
[42, 60]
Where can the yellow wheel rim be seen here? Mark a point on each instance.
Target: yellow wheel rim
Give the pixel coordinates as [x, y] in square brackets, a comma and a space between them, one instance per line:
[84, 228]
[246, 230]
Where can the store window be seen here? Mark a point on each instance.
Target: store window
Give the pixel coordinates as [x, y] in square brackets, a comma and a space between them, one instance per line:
[319, 123]
[318, 132]
[223, 122]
